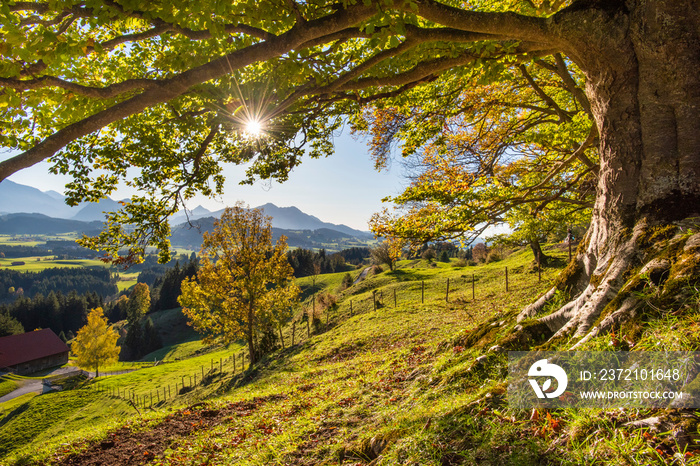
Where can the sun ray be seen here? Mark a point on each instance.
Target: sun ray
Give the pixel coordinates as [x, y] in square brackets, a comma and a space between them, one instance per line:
[254, 128]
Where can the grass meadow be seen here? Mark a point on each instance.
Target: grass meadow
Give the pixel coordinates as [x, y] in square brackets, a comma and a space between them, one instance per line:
[377, 381]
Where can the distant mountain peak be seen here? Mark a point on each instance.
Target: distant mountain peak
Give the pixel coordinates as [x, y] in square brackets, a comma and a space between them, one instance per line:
[19, 198]
[199, 210]
[56, 195]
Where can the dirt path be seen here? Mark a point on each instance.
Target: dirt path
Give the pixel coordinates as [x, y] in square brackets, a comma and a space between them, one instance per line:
[127, 447]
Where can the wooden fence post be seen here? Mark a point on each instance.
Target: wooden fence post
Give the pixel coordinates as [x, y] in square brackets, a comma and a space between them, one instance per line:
[202, 372]
[447, 292]
[506, 278]
[351, 308]
[281, 336]
[374, 299]
[473, 289]
[242, 363]
[422, 291]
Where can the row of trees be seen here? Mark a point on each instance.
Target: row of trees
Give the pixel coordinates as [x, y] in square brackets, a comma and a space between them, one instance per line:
[62, 313]
[164, 291]
[65, 280]
[306, 262]
[10, 251]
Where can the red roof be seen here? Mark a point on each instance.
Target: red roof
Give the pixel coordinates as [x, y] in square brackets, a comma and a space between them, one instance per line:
[17, 349]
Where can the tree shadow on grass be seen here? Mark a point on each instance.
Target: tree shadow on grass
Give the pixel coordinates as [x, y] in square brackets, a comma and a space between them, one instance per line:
[404, 275]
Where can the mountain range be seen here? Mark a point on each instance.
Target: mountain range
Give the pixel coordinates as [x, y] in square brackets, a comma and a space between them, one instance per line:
[17, 198]
[28, 210]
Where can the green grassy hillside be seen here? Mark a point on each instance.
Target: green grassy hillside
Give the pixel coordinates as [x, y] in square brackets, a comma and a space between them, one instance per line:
[399, 385]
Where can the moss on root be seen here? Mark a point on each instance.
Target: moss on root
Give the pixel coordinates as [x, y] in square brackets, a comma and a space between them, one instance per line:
[632, 329]
[634, 285]
[530, 333]
[566, 281]
[655, 234]
[685, 269]
[486, 334]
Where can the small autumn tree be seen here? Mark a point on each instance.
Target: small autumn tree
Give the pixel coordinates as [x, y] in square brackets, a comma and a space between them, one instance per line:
[387, 252]
[96, 343]
[139, 303]
[244, 284]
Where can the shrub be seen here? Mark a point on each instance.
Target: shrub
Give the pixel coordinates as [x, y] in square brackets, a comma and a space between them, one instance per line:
[347, 282]
[480, 252]
[428, 254]
[326, 301]
[496, 254]
[493, 256]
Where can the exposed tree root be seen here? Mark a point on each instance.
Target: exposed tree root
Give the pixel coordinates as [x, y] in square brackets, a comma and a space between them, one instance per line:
[609, 289]
[627, 311]
[535, 308]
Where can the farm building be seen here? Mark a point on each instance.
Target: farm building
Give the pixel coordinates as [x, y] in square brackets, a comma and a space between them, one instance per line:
[32, 351]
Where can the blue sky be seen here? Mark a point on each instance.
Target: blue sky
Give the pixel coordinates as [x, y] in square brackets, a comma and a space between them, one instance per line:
[344, 188]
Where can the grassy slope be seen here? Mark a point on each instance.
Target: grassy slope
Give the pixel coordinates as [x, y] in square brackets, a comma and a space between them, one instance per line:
[7, 386]
[397, 383]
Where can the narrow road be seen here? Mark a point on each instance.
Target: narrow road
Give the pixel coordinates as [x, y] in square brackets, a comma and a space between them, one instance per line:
[35, 385]
[362, 275]
[26, 386]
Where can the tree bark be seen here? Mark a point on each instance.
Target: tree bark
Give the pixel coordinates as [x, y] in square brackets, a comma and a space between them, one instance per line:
[540, 257]
[250, 334]
[641, 60]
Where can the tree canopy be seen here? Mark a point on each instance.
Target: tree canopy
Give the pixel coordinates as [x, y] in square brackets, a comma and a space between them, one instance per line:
[95, 344]
[244, 286]
[518, 150]
[160, 95]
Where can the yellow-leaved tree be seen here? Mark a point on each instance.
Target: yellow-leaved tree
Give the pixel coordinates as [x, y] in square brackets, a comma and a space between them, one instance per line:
[96, 343]
[244, 286]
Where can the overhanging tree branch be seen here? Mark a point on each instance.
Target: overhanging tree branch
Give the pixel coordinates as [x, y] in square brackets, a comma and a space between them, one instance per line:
[170, 88]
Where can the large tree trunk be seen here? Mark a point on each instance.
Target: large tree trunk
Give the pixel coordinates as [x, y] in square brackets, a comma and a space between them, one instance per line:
[541, 258]
[641, 59]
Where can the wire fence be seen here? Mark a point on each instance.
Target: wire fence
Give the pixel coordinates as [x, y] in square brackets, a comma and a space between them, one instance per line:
[236, 363]
[160, 393]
